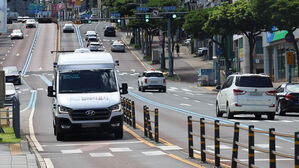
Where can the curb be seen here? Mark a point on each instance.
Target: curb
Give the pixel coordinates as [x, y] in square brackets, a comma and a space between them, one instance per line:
[40, 160]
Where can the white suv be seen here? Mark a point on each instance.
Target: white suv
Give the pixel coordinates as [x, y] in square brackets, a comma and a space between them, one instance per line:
[152, 80]
[246, 94]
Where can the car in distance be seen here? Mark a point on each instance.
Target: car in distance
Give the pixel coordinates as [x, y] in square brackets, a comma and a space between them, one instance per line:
[202, 51]
[246, 94]
[152, 80]
[95, 46]
[118, 46]
[287, 98]
[25, 18]
[10, 92]
[30, 23]
[68, 28]
[109, 31]
[12, 75]
[17, 34]
[187, 42]
[90, 33]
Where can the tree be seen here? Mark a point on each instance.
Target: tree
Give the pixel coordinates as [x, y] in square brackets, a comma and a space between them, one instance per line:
[249, 23]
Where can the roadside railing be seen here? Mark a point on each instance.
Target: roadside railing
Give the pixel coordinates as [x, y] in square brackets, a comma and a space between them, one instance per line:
[236, 144]
[14, 108]
[128, 107]
[148, 123]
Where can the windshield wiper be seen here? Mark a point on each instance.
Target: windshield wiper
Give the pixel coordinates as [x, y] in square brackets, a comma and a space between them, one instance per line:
[69, 91]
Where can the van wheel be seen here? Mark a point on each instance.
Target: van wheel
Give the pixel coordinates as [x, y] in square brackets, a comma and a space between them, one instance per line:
[271, 116]
[54, 129]
[218, 112]
[164, 90]
[142, 89]
[230, 115]
[119, 133]
[59, 133]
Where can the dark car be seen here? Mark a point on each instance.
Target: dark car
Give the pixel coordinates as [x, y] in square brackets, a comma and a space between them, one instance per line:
[109, 31]
[287, 98]
[12, 75]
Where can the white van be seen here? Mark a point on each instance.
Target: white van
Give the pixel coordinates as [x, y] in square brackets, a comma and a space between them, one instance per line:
[86, 94]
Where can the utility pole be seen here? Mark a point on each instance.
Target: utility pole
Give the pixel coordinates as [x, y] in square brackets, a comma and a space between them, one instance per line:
[170, 58]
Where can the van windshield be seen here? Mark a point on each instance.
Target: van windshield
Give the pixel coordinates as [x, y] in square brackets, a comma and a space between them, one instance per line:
[87, 81]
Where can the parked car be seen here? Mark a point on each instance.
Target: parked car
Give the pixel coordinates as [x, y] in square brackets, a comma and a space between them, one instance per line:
[117, 46]
[31, 23]
[20, 19]
[202, 51]
[90, 33]
[152, 80]
[10, 92]
[109, 31]
[25, 18]
[95, 46]
[17, 34]
[246, 94]
[12, 75]
[187, 42]
[287, 98]
[68, 28]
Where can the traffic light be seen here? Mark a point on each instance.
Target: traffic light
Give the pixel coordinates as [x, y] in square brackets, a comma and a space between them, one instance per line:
[174, 16]
[147, 18]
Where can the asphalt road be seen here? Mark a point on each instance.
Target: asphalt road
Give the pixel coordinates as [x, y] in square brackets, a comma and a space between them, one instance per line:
[92, 150]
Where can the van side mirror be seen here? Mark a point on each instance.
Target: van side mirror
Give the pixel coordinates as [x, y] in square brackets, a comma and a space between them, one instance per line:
[116, 62]
[50, 91]
[218, 87]
[124, 88]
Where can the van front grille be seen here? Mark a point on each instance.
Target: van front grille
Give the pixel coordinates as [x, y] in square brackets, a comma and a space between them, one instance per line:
[93, 114]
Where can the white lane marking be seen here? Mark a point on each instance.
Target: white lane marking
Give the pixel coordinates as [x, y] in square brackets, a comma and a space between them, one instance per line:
[173, 147]
[71, 151]
[210, 104]
[120, 149]
[130, 87]
[48, 163]
[100, 154]
[221, 147]
[197, 101]
[285, 121]
[103, 143]
[25, 90]
[8, 51]
[246, 150]
[18, 54]
[40, 89]
[185, 104]
[31, 129]
[154, 153]
[3, 58]
[175, 94]
[133, 70]
[1, 62]
[189, 93]
[5, 55]
[25, 76]
[187, 98]
[258, 160]
[198, 94]
[187, 90]
[265, 146]
[134, 74]
[40, 68]
[123, 73]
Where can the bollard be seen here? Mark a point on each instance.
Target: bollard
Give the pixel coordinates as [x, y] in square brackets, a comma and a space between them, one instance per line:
[190, 137]
[235, 146]
[16, 116]
[129, 113]
[149, 126]
[272, 156]
[133, 115]
[250, 145]
[296, 149]
[217, 143]
[144, 121]
[202, 140]
[156, 126]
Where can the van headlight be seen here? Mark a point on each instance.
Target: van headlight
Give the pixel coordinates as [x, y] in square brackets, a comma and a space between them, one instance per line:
[64, 110]
[115, 108]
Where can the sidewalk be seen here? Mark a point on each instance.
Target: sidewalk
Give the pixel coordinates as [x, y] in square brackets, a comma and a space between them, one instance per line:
[17, 155]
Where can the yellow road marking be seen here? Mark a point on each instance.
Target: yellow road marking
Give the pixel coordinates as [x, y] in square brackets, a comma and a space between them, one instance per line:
[185, 161]
[15, 149]
[138, 137]
[209, 88]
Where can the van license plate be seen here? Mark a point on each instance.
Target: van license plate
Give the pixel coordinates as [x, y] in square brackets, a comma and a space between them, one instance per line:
[89, 125]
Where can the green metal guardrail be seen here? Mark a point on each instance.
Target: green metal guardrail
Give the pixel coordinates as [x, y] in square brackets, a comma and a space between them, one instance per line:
[236, 144]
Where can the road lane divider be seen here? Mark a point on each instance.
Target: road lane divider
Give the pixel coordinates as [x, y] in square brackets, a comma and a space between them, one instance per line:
[79, 37]
[23, 72]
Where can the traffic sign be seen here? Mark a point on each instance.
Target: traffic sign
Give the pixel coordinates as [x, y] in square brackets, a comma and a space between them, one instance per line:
[142, 9]
[288, 38]
[155, 13]
[169, 8]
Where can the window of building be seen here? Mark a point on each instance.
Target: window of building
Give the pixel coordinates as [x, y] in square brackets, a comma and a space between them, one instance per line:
[259, 45]
[241, 43]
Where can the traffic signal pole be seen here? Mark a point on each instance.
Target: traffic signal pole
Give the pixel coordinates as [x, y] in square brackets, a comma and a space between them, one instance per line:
[170, 58]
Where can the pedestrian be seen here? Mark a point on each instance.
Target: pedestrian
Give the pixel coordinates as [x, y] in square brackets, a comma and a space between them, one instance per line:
[177, 47]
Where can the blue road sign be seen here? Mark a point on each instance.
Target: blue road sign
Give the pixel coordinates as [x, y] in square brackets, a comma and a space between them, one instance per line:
[169, 8]
[219, 51]
[115, 14]
[142, 9]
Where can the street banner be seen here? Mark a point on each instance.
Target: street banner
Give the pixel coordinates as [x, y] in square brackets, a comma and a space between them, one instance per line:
[78, 3]
[3, 16]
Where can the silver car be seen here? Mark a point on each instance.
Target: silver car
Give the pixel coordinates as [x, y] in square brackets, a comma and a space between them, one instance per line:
[10, 92]
[117, 46]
